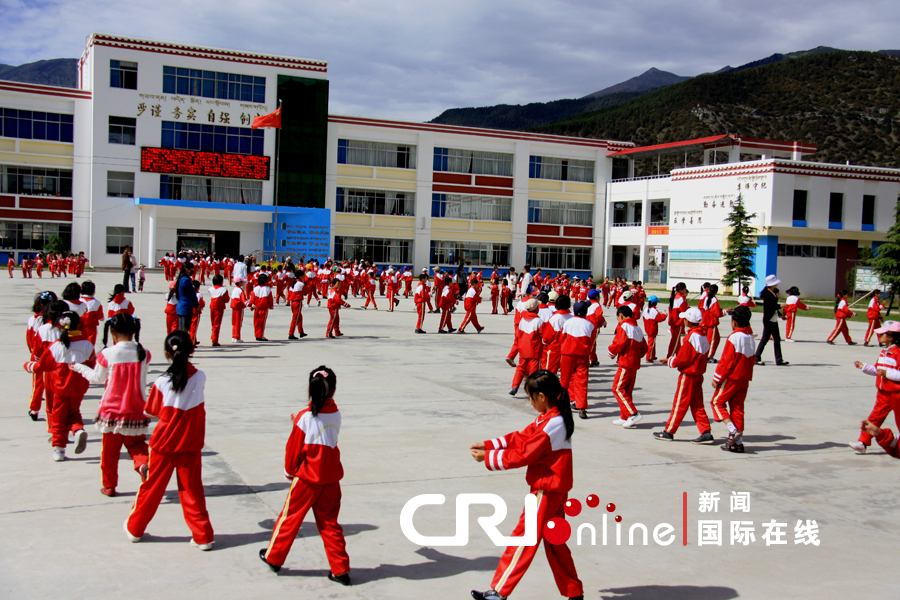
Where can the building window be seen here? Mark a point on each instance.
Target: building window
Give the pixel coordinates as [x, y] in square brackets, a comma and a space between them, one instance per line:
[868, 213]
[212, 138]
[477, 254]
[122, 130]
[376, 154]
[479, 208]
[453, 160]
[123, 74]
[212, 84]
[27, 236]
[659, 214]
[807, 251]
[560, 169]
[560, 213]
[559, 258]
[117, 238]
[210, 189]
[36, 125]
[376, 202]
[836, 211]
[383, 251]
[119, 184]
[619, 168]
[799, 212]
[35, 182]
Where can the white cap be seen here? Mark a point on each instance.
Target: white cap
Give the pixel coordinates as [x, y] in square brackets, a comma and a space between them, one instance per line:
[693, 315]
[772, 280]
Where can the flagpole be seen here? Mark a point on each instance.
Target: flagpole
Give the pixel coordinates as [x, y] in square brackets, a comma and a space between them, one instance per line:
[277, 165]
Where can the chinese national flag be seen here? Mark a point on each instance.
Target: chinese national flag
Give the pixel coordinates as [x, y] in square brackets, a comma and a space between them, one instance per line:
[270, 120]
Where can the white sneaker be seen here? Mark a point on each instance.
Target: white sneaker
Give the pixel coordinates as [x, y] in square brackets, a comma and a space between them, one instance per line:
[80, 441]
[237, 341]
[858, 446]
[790, 340]
[204, 547]
[618, 421]
[59, 454]
[630, 421]
[131, 538]
[636, 418]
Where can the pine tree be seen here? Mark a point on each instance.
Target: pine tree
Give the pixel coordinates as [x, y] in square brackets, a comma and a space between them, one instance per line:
[738, 258]
[887, 264]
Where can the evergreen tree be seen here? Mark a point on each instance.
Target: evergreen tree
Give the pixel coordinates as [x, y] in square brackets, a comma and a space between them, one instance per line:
[887, 264]
[738, 258]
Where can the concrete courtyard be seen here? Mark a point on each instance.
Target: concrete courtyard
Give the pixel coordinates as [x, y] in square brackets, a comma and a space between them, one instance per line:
[412, 405]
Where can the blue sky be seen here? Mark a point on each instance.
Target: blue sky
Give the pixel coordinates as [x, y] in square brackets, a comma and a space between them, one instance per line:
[411, 59]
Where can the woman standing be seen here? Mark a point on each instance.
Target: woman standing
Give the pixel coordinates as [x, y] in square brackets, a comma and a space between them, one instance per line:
[187, 296]
[127, 266]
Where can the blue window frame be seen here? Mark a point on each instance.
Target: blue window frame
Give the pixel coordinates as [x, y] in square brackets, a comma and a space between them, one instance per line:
[534, 167]
[342, 151]
[213, 84]
[440, 159]
[123, 74]
[36, 125]
[212, 138]
[438, 205]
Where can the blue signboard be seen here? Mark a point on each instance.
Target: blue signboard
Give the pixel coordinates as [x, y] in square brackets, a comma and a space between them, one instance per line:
[301, 232]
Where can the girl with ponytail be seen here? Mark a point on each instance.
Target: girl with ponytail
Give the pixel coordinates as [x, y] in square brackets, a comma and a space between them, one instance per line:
[121, 418]
[545, 448]
[39, 307]
[677, 305]
[312, 463]
[712, 313]
[177, 399]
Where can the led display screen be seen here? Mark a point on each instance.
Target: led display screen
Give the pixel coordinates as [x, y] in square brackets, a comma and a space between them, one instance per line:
[204, 164]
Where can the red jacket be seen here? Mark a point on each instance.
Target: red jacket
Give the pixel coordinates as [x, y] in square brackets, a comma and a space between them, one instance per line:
[552, 331]
[577, 337]
[55, 360]
[335, 300]
[748, 301]
[691, 357]
[90, 321]
[262, 298]
[889, 359]
[421, 296]
[652, 319]
[712, 314]
[875, 308]
[542, 447]
[218, 298]
[628, 345]
[792, 304]
[842, 311]
[182, 415]
[528, 335]
[473, 299]
[678, 306]
[312, 454]
[595, 315]
[738, 358]
[295, 292]
[238, 299]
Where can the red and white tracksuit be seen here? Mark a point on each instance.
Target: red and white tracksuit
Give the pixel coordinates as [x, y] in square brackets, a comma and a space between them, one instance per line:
[733, 375]
[312, 462]
[218, 300]
[119, 304]
[171, 315]
[544, 449]
[473, 299]
[46, 334]
[262, 301]
[628, 347]
[195, 318]
[369, 289]
[552, 338]
[175, 446]
[504, 299]
[335, 304]
[791, 306]
[841, 314]
[295, 299]
[393, 286]
[36, 349]
[420, 299]
[873, 314]
[495, 297]
[529, 344]
[595, 316]
[711, 317]
[238, 304]
[575, 349]
[676, 324]
[279, 287]
[690, 360]
[652, 318]
[447, 301]
[887, 389]
[90, 321]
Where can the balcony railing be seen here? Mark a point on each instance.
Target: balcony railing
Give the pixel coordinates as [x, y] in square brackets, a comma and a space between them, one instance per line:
[642, 178]
[638, 224]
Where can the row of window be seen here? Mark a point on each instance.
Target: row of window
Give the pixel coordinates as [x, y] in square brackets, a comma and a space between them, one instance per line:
[454, 160]
[210, 189]
[480, 254]
[480, 208]
[19, 235]
[211, 84]
[374, 250]
[375, 202]
[558, 258]
[560, 213]
[807, 251]
[212, 138]
[36, 125]
[376, 154]
[835, 210]
[35, 181]
[560, 169]
[119, 238]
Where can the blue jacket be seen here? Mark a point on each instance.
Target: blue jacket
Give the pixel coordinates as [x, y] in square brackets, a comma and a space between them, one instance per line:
[187, 297]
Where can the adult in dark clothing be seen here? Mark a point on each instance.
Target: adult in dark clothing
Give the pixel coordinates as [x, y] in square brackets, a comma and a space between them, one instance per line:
[187, 296]
[461, 280]
[127, 266]
[771, 314]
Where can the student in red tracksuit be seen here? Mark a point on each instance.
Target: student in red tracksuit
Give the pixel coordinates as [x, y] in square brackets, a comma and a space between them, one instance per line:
[517, 317]
[261, 303]
[295, 299]
[873, 314]
[419, 298]
[90, 321]
[177, 399]
[218, 300]
[504, 296]
[595, 316]
[552, 335]
[529, 343]
[445, 304]
[473, 299]
[791, 306]
[652, 317]
[279, 285]
[887, 382]
[335, 304]
[171, 307]
[628, 347]
[198, 310]
[677, 305]
[691, 361]
[393, 286]
[238, 304]
[36, 345]
[545, 448]
[732, 378]
[118, 303]
[121, 417]
[575, 349]
[67, 386]
[841, 313]
[604, 289]
[884, 437]
[495, 295]
[712, 313]
[11, 265]
[312, 463]
[369, 284]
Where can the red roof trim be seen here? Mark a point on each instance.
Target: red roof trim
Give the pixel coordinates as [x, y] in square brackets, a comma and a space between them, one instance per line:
[706, 140]
[728, 140]
[44, 90]
[812, 169]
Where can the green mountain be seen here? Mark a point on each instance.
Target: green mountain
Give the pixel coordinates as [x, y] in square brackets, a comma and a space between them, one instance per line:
[61, 72]
[848, 103]
[648, 80]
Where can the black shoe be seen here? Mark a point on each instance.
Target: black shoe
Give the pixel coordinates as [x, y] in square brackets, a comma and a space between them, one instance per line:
[33, 414]
[441, 331]
[450, 330]
[480, 330]
[760, 363]
[829, 342]
[782, 363]
[705, 438]
[851, 343]
[262, 339]
[488, 595]
[420, 331]
[595, 363]
[711, 361]
[303, 335]
[582, 413]
[513, 391]
[262, 557]
[460, 331]
[293, 337]
[663, 436]
[341, 579]
[330, 336]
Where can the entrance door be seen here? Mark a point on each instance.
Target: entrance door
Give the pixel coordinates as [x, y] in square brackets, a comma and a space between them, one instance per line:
[196, 241]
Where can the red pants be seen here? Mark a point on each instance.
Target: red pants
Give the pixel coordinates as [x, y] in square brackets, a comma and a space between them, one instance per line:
[840, 327]
[11, 268]
[514, 351]
[64, 418]
[111, 449]
[370, 297]
[884, 404]
[171, 323]
[550, 360]
[334, 322]
[873, 325]
[445, 319]
[504, 304]
[195, 323]
[574, 377]
[622, 389]
[470, 317]
[688, 394]
[733, 395]
[420, 310]
[516, 559]
[325, 502]
[279, 292]
[593, 353]
[37, 391]
[296, 317]
[713, 337]
[190, 494]
[494, 300]
[259, 322]
[39, 271]
[651, 347]
[237, 319]
[527, 366]
[215, 320]
[674, 341]
[789, 328]
[391, 296]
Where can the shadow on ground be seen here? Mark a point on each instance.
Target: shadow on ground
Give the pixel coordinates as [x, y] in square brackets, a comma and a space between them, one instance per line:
[669, 592]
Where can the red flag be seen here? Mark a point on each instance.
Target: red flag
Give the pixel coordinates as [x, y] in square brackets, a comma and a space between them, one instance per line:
[269, 120]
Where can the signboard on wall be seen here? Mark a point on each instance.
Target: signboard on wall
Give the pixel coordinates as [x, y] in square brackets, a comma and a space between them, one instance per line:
[695, 269]
[204, 164]
[301, 232]
[867, 280]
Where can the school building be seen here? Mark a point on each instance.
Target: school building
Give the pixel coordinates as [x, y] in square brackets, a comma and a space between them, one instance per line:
[155, 151]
